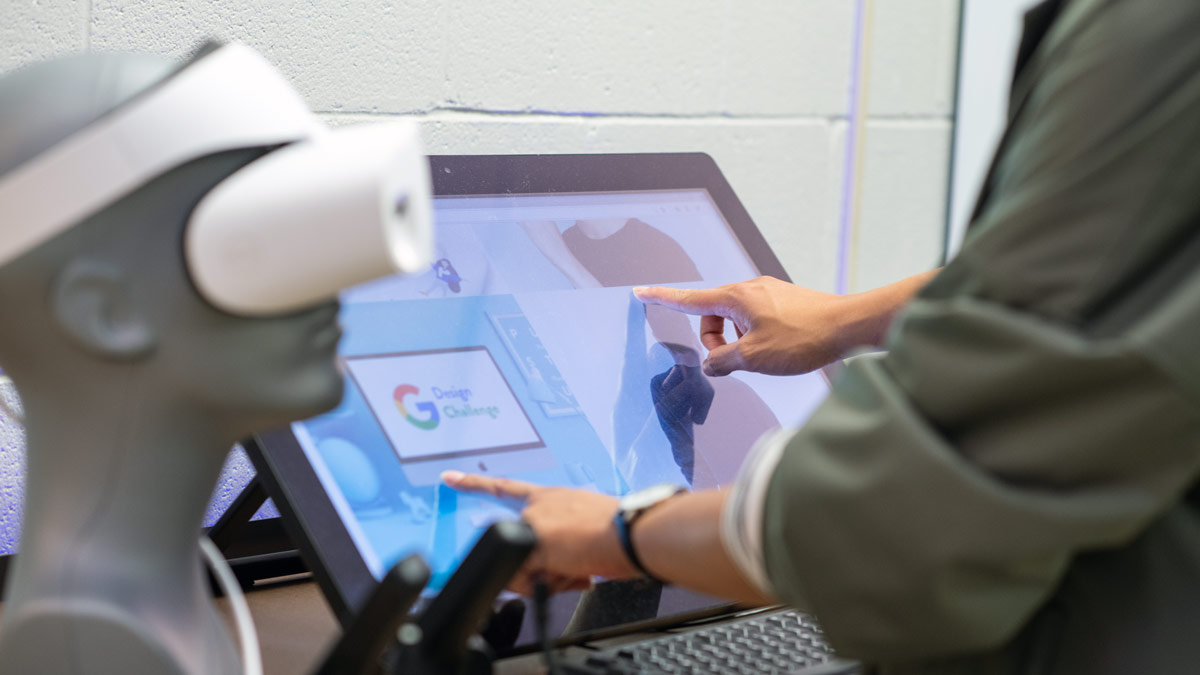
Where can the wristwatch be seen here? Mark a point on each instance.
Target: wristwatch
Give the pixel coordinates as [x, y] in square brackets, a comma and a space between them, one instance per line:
[635, 505]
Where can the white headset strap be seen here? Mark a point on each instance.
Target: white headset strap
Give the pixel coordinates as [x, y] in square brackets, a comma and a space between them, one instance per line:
[230, 98]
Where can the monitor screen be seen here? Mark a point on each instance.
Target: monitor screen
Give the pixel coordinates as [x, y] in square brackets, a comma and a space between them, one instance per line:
[523, 353]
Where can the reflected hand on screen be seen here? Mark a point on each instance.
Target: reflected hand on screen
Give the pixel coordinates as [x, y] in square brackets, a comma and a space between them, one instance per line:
[682, 398]
[782, 329]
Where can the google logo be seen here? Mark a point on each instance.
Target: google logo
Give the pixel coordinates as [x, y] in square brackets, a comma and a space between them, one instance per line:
[423, 406]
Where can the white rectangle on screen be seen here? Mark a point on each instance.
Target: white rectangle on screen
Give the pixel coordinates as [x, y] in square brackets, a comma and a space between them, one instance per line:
[443, 404]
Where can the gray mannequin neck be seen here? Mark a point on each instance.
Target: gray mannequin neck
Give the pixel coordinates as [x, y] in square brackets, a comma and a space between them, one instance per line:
[79, 542]
[147, 453]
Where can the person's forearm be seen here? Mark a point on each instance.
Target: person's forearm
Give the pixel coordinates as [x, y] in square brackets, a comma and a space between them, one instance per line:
[871, 312]
[679, 541]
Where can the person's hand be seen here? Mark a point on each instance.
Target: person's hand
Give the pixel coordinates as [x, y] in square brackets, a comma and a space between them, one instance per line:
[576, 537]
[782, 329]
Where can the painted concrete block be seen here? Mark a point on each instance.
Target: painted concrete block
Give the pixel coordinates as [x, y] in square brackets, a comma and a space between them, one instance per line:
[12, 471]
[591, 56]
[664, 58]
[374, 55]
[903, 217]
[33, 31]
[914, 49]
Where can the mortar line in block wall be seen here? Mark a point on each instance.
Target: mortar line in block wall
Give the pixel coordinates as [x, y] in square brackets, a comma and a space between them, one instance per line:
[915, 119]
[574, 115]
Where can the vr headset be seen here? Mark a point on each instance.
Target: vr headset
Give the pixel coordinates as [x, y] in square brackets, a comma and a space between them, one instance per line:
[325, 210]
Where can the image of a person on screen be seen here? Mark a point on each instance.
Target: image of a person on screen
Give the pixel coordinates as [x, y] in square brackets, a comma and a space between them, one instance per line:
[682, 398]
[605, 252]
[667, 408]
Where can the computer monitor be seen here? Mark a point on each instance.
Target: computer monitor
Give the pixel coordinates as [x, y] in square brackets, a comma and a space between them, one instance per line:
[523, 353]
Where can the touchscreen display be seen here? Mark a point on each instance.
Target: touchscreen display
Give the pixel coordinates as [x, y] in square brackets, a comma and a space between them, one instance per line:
[523, 353]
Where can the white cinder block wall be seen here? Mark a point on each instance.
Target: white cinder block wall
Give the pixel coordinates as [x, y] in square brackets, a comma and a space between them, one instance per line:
[761, 85]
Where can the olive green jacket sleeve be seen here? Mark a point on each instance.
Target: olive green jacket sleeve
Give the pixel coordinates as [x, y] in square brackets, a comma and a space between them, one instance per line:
[1041, 398]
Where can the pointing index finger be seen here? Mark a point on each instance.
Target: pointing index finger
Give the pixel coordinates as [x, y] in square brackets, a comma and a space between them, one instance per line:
[692, 301]
[498, 487]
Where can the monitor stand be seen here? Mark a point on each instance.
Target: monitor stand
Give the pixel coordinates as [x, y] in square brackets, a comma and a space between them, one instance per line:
[256, 549]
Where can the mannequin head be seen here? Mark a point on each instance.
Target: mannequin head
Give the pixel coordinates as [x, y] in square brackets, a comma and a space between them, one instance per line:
[113, 293]
[134, 384]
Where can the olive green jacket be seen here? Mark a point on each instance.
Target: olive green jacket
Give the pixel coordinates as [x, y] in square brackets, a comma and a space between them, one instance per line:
[1007, 490]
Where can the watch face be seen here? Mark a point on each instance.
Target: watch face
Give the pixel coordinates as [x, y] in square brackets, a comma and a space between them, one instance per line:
[648, 497]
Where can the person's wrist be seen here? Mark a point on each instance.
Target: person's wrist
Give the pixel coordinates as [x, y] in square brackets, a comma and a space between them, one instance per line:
[867, 315]
[882, 304]
[856, 319]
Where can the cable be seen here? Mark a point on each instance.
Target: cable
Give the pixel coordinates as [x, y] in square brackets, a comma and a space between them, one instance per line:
[860, 133]
[247, 635]
[852, 182]
[541, 602]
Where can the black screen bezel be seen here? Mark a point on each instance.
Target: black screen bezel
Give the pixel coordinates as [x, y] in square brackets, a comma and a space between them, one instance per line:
[308, 513]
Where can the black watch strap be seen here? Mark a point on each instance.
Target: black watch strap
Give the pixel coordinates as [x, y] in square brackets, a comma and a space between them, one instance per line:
[625, 535]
